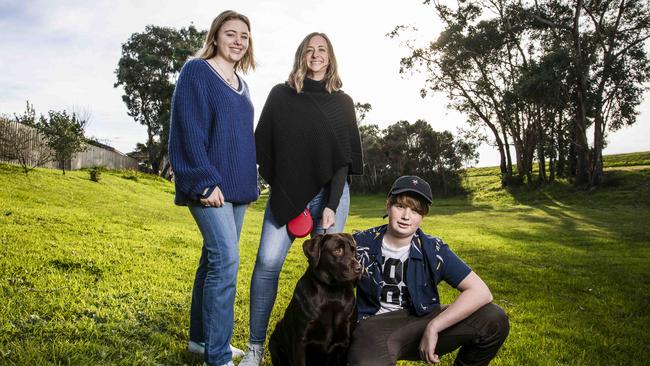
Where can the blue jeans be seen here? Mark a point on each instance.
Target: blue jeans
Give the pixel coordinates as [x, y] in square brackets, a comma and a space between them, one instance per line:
[275, 242]
[213, 295]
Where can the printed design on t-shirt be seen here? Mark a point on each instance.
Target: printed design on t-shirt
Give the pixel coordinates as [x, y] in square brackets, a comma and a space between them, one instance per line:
[394, 290]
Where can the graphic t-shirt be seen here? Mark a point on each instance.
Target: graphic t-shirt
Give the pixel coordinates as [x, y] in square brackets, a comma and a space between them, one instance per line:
[394, 291]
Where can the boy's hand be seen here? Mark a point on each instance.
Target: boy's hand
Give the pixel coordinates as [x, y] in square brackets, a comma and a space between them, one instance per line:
[428, 345]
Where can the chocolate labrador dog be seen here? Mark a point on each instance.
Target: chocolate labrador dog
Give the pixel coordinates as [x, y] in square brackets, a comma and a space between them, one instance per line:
[317, 324]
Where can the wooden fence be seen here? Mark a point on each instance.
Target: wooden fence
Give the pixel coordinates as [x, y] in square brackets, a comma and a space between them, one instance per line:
[16, 136]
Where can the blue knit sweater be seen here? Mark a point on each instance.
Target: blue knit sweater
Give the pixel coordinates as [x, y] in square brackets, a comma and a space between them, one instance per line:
[211, 139]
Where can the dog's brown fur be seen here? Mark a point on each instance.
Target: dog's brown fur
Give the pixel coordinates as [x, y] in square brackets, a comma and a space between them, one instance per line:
[318, 322]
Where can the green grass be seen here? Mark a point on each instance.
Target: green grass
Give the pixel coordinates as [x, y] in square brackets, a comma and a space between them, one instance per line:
[638, 158]
[101, 273]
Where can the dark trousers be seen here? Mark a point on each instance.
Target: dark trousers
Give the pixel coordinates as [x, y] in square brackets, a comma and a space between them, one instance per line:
[384, 339]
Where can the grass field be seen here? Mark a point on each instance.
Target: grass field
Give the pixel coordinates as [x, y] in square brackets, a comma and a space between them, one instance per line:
[101, 273]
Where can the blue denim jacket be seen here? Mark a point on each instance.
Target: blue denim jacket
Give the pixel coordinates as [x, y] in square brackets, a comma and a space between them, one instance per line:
[430, 261]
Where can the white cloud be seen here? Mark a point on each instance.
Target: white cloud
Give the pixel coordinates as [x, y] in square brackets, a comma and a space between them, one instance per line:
[62, 55]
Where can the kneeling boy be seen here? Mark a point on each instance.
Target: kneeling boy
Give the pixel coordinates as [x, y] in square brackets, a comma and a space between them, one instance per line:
[400, 316]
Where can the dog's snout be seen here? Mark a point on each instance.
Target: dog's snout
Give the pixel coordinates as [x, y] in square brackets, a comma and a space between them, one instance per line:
[356, 266]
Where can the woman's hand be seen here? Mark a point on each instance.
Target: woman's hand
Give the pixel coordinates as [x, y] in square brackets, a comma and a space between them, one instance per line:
[328, 219]
[214, 200]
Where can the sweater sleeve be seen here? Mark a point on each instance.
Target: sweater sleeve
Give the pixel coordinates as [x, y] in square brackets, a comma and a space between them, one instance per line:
[189, 132]
[336, 188]
[264, 138]
[356, 167]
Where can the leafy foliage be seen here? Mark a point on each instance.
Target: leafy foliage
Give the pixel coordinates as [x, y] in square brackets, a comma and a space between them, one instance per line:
[412, 149]
[64, 134]
[147, 72]
[538, 74]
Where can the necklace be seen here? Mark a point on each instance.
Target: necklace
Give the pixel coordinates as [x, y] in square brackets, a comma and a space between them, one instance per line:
[230, 80]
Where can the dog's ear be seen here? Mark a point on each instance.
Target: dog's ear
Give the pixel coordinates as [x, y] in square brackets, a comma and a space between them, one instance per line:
[311, 248]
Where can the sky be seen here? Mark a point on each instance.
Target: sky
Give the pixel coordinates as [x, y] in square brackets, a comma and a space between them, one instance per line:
[63, 55]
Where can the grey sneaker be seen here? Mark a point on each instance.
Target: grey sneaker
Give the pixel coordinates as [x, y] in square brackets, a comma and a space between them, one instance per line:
[253, 356]
[199, 348]
[196, 347]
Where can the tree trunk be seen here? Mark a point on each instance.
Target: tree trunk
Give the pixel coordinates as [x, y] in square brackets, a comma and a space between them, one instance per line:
[151, 151]
[551, 169]
[541, 156]
[597, 165]
[580, 142]
[562, 151]
[505, 177]
[521, 163]
[508, 156]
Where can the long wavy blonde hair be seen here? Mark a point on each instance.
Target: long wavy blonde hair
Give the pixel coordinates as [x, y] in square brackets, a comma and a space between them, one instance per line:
[299, 72]
[209, 49]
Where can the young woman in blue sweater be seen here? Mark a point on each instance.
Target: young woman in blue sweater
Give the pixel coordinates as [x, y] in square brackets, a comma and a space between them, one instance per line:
[212, 153]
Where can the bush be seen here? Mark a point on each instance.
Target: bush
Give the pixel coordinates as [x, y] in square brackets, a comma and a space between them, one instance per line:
[96, 173]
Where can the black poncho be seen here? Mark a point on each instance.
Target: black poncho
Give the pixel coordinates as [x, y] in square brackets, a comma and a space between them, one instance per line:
[301, 141]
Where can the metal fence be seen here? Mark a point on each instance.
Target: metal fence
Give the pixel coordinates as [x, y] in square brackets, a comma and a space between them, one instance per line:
[27, 141]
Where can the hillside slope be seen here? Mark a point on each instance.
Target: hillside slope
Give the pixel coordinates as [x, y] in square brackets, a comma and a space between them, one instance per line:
[101, 273]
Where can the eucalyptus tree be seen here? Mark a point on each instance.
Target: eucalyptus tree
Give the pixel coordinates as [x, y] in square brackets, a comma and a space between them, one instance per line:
[147, 72]
[477, 61]
[544, 85]
[610, 65]
[374, 159]
[415, 148]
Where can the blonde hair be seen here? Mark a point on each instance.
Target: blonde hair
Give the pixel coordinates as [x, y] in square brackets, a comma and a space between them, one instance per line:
[209, 49]
[299, 71]
[411, 201]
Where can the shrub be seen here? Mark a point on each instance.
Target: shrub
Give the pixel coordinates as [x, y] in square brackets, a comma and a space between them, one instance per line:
[95, 173]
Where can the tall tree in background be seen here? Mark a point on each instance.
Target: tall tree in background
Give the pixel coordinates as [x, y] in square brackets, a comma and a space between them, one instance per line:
[463, 63]
[610, 63]
[534, 71]
[64, 134]
[374, 158]
[147, 72]
[405, 148]
[435, 156]
[618, 31]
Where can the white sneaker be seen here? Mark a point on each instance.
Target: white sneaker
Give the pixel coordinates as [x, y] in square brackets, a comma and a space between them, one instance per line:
[199, 348]
[225, 364]
[236, 352]
[253, 356]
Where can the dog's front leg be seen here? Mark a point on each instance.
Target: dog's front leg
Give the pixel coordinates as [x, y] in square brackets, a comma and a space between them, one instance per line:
[299, 356]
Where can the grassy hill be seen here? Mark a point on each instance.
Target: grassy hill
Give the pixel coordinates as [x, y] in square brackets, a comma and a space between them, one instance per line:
[101, 273]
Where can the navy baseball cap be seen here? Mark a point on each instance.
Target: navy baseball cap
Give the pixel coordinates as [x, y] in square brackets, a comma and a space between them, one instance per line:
[412, 183]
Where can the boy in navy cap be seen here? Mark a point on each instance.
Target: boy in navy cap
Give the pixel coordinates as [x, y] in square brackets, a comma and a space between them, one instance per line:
[400, 316]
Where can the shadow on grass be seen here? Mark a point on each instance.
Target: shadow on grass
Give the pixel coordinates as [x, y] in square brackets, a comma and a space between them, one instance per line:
[574, 276]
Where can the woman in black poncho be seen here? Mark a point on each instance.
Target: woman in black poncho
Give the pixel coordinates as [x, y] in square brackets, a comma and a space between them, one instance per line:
[307, 144]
